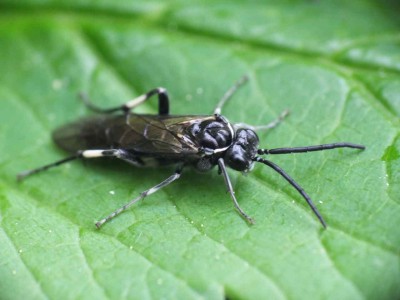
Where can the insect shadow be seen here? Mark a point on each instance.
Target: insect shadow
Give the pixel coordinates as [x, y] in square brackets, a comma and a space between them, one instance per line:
[200, 141]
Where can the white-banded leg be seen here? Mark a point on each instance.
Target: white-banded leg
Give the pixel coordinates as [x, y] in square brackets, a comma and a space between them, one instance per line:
[228, 185]
[163, 102]
[229, 93]
[142, 195]
[83, 154]
[268, 126]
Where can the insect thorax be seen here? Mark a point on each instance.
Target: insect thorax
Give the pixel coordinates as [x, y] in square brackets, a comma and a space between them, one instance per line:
[217, 139]
[213, 136]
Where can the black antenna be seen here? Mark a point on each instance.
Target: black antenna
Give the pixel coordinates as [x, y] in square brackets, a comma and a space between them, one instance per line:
[294, 184]
[309, 148]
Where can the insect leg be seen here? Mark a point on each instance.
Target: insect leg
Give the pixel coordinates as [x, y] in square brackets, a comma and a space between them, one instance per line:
[142, 195]
[229, 93]
[228, 184]
[295, 185]
[268, 126]
[163, 102]
[310, 148]
[79, 155]
[27, 173]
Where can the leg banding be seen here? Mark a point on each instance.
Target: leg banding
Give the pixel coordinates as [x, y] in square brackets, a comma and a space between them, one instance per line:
[27, 173]
[84, 154]
[163, 102]
[142, 195]
[268, 126]
[223, 171]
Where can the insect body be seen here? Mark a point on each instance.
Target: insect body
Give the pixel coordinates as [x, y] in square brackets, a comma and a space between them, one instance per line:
[200, 141]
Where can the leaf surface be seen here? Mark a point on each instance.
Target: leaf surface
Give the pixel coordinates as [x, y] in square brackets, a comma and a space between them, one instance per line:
[334, 65]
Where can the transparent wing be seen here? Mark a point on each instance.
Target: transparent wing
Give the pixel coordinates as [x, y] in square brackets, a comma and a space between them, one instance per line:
[149, 135]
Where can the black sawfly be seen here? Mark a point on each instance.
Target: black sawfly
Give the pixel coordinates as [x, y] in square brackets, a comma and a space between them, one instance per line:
[200, 141]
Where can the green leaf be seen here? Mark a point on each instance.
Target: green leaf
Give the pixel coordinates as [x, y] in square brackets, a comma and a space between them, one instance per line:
[334, 64]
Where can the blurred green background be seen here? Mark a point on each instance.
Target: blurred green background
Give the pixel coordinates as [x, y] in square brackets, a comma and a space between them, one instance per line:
[334, 64]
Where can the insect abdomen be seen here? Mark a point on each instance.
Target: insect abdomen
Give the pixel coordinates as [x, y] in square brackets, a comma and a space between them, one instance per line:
[90, 133]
